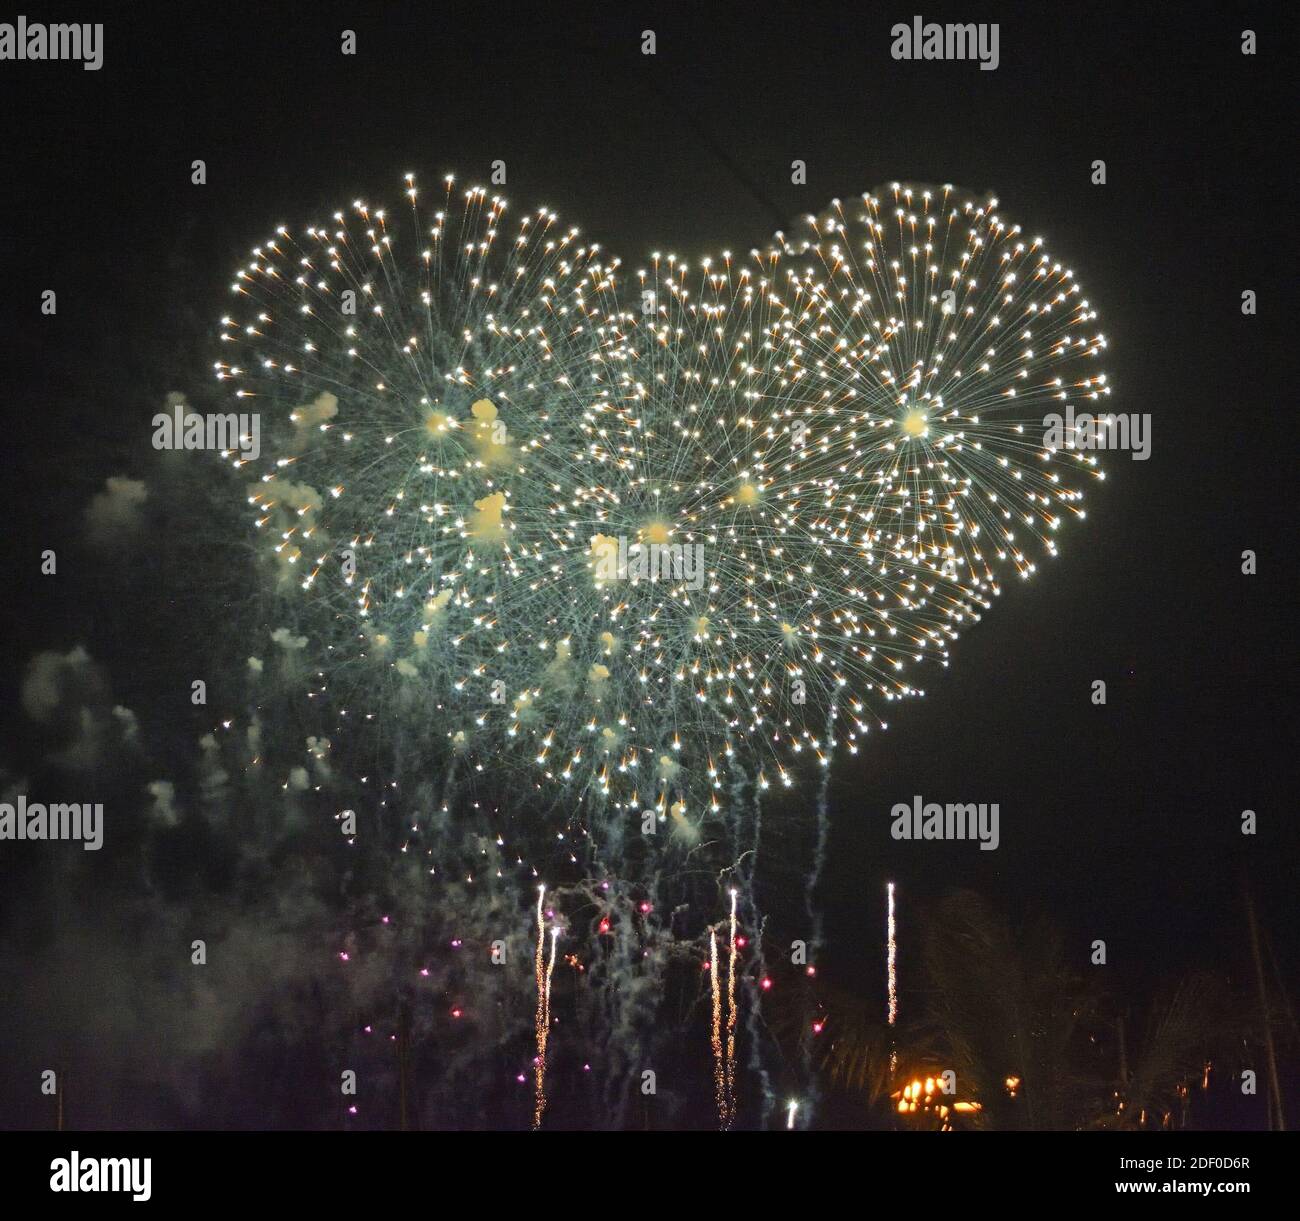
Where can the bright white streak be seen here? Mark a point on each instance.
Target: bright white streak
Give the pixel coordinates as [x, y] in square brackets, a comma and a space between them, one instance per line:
[543, 1008]
[731, 1020]
[892, 958]
[715, 1032]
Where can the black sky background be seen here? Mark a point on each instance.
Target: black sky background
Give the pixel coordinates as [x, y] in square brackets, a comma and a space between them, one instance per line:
[1121, 821]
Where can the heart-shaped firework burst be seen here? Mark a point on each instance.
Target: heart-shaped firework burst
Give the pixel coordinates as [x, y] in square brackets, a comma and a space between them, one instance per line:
[635, 532]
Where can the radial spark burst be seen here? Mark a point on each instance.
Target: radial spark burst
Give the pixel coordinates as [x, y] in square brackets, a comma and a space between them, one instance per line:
[628, 533]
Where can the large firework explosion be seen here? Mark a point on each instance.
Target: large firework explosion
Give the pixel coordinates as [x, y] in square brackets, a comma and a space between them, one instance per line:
[643, 542]
[496, 464]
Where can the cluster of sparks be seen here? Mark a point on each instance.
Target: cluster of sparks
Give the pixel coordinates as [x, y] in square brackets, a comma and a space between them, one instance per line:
[467, 417]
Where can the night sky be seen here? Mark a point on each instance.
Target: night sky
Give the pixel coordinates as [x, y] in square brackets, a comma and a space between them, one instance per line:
[1120, 822]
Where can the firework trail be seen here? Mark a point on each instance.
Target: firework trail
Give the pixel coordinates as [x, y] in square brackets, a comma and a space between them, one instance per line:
[542, 1022]
[723, 1041]
[731, 1019]
[539, 1107]
[891, 959]
[715, 1033]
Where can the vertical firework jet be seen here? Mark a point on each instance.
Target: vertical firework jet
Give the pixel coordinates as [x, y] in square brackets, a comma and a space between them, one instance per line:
[731, 1019]
[722, 1035]
[891, 959]
[542, 1021]
[715, 1032]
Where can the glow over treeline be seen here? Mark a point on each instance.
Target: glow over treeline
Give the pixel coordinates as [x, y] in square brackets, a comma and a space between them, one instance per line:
[638, 533]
